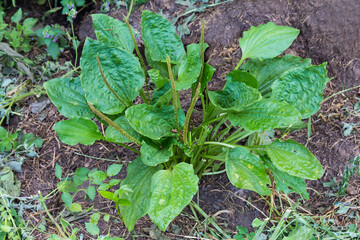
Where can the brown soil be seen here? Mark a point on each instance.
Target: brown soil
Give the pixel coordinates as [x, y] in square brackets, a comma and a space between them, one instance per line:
[330, 31]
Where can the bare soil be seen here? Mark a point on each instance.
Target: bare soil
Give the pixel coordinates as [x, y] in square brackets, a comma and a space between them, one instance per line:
[330, 32]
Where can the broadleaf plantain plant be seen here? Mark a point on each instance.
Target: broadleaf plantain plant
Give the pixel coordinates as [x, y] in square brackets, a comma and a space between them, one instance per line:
[265, 93]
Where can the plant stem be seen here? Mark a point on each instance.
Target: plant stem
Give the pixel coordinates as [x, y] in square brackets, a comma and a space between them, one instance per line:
[214, 173]
[222, 144]
[188, 114]
[42, 201]
[335, 94]
[114, 125]
[174, 92]
[142, 62]
[107, 83]
[74, 43]
[211, 220]
[239, 64]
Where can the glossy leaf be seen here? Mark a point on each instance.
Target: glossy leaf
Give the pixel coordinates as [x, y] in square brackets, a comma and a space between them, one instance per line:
[287, 183]
[78, 130]
[240, 76]
[112, 135]
[153, 121]
[268, 70]
[172, 190]
[139, 180]
[122, 70]
[267, 40]
[190, 68]
[302, 88]
[112, 32]
[152, 155]
[68, 96]
[160, 39]
[245, 170]
[295, 159]
[157, 79]
[235, 96]
[265, 115]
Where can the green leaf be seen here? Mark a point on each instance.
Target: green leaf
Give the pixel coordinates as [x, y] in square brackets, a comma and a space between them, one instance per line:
[287, 183]
[28, 24]
[103, 187]
[245, 170]
[67, 199]
[268, 70]
[162, 96]
[92, 229]
[95, 217]
[122, 71]
[152, 121]
[114, 182]
[53, 50]
[139, 180]
[295, 159]
[106, 217]
[112, 135]
[160, 39]
[112, 32]
[75, 207]
[3, 133]
[78, 130]
[157, 79]
[99, 176]
[267, 40]
[208, 72]
[17, 16]
[240, 76]
[124, 202]
[113, 169]
[68, 96]
[91, 191]
[107, 195]
[301, 232]
[58, 171]
[265, 115]
[153, 155]
[190, 68]
[235, 97]
[172, 190]
[302, 88]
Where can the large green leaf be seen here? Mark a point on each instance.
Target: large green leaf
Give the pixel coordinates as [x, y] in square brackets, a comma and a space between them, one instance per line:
[112, 135]
[190, 68]
[235, 96]
[152, 121]
[302, 88]
[78, 130]
[266, 114]
[245, 170]
[139, 180]
[157, 79]
[112, 32]
[295, 159]
[160, 39]
[267, 40]
[68, 96]
[287, 183]
[240, 76]
[268, 70]
[172, 190]
[152, 154]
[121, 69]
